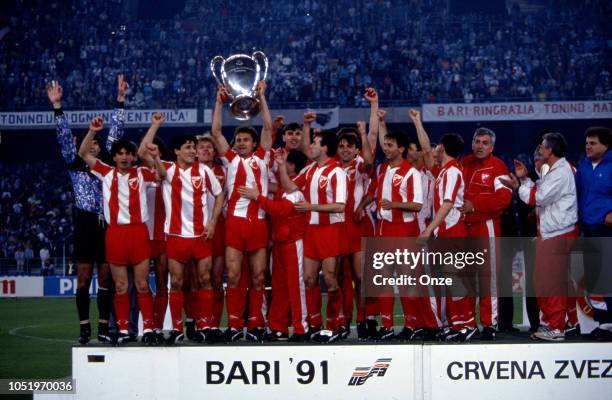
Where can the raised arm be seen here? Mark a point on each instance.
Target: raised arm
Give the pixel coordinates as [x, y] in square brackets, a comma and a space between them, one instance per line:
[144, 153]
[309, 118]
[118, 116]
[281, 158]
[64, 134]
[277, 125]
[95, 126]
[366, 150]
[382, 127]
[372, 97]
[423, 138]
[160, 170]
[217, 134]
[265, 141]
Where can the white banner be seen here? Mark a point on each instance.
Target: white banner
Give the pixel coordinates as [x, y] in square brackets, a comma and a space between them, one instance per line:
[241, 372]
[517, 111]
[80, 119]
[327, 118]
[21, 286]
[517, 371]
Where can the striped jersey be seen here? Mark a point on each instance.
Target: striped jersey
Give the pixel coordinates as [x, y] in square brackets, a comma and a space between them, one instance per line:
[157, 212]
[324, 184]
[248, 171]
[398, 184]
[185, 191]
[125, 200]
[449, 186]
[357, 179]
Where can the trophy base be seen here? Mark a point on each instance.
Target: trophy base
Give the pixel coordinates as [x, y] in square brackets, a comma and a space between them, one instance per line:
[244, 107]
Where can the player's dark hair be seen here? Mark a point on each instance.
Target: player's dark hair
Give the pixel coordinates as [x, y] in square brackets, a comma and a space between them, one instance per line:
[556, 143]
[453, 144]
[78, 164]
[122, 144]
[401, 139]
[350, 137]
[298, 159]
[246, 129]
[291, 127]
[329, 139]
[179, 140]
[415, 141]
[603, 134]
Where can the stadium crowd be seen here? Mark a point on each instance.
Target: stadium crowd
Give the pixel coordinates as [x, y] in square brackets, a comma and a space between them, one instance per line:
[35, 215]
[320, 52]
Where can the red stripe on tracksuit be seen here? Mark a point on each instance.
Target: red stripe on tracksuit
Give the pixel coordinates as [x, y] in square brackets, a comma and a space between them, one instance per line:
[288, 284]
[551, 280]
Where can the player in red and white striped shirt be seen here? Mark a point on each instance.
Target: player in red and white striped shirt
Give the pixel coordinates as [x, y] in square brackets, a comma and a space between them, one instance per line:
[207, 154]
[324, 186]
[357, 168]
[246, 230]
[448, 223]
[189, 227]
[125, 211]
[157, 240]
[398, 194]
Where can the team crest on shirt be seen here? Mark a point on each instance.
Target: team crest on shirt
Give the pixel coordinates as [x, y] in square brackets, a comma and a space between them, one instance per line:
[350, 174]
[484, 178]
[196, 181]
[253, 163]
[322, 182]
[397, 180]
[133, 183]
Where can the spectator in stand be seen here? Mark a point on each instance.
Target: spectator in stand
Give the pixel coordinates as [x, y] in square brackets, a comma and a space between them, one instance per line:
[319, 52]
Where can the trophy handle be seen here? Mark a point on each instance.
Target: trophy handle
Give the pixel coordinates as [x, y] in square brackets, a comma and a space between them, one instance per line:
[260, 58]
[213, 65]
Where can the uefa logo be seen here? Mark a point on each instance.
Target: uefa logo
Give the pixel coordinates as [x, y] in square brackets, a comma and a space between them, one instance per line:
[362, 374]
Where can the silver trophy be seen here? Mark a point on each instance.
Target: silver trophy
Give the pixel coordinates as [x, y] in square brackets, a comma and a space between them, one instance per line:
[240, 74]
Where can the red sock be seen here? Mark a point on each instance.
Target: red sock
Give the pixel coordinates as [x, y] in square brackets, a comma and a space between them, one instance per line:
[410, 307]
[348, 291]
[334, 307]
[235, 301]
[122, 310]
[205, 304]
[572, 314]
[386, 310]
[190, 304]
[313, 305]
[159, 308]
[256, 299]
[361, 307]
[176, 310]
[217, 308]
[371, 306]
[145, 303]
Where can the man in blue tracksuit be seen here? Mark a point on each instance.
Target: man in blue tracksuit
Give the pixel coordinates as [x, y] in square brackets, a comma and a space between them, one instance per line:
[594, 186]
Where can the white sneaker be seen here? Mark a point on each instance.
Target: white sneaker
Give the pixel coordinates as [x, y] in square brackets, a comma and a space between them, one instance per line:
[551, 335]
